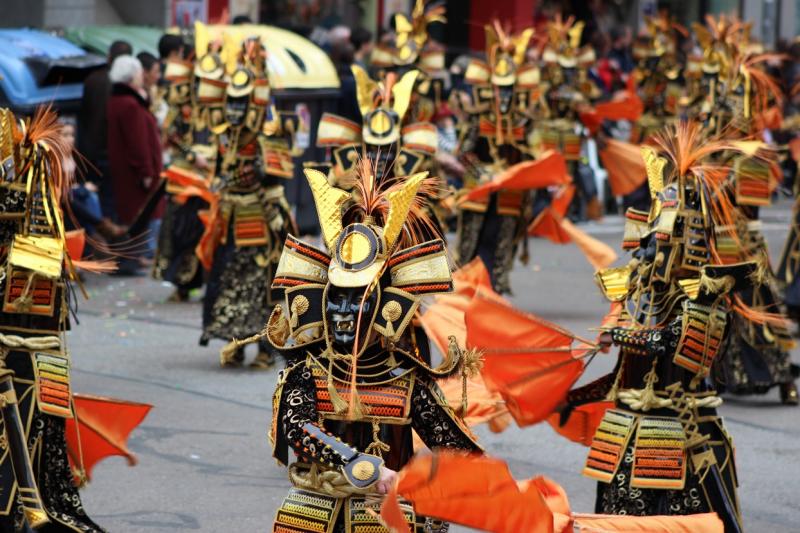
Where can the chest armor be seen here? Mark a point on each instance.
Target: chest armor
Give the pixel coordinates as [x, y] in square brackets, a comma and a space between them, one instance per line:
[387, 401]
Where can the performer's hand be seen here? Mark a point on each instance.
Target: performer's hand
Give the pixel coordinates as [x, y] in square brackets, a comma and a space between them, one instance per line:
[605, 341]
[200, 162]
[387, 480]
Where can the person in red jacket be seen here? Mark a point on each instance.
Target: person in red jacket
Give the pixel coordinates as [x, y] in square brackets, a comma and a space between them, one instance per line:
[134, 142]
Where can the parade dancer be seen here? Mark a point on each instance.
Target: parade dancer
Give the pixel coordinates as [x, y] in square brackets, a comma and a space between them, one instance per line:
[249, 217]
[193, 90]
[738, 92]
[500, 106]
[354, 387]
[662, 449]
[38, 488]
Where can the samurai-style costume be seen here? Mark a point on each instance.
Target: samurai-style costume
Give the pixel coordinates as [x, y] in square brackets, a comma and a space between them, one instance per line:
[757, 357]
[663, 450]
[193, 92]
[37, 486]
[499, 103]
[565, 89]
[382, 138]
[658, 77]
[410, 48]
[354, 386]
[250, 217]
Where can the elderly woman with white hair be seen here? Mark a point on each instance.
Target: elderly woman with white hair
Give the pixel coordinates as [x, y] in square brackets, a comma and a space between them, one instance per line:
[134, 140]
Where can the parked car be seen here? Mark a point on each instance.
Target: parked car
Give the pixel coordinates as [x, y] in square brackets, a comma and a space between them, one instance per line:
[37, 68]
[98, 39]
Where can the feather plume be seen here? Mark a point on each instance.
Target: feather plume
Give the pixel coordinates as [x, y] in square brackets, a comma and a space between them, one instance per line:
[371, 195]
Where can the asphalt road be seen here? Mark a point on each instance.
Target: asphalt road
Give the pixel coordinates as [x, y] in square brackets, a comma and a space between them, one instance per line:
[204, 460]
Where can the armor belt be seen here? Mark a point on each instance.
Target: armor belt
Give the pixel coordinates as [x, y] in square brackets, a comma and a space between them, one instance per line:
[567, 143]
[752, 181]
[659, 451]
[305, 511]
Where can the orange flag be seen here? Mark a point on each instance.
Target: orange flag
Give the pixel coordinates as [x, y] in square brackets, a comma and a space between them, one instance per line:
[552, 225]
[625, 166]
[530, 362]
[100, 429]
[547, 224]
[549, 170]
[474, 491]
[479, 492]
[628, 107]
[445, 317]
[582, 423]
[599, 254]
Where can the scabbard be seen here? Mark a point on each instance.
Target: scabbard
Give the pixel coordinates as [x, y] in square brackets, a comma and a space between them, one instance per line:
[720, 499]
[32, 506]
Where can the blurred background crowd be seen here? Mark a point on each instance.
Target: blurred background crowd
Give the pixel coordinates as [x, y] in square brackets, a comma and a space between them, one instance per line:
[101, 63]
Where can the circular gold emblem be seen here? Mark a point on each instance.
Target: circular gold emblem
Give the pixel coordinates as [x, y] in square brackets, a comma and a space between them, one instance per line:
[380, 123]
[355, 248]
[208, 63]
[240, 78]
[363, 470]
[391, 311]
[299, 305]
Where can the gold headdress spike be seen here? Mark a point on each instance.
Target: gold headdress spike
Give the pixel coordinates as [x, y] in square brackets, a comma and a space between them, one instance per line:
[329, 201]
[655, 169]
[401, 92]
[365, 89]
[492, 37]
[575, 33]
[521, 45]
[400, 202]
[232, 43]
[202, 40]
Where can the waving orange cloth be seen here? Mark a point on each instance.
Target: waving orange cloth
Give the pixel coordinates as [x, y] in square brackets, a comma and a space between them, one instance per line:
[530, 362]
[625, 166]
[548, 170]
[479, 492]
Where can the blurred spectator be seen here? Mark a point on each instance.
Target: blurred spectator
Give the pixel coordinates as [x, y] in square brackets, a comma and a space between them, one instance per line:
[240, 20]
[83, 199]
[151, 75]
[171, 47]
[134, 145]
[151, 71]
[361, 39]
[342, 56]
[621, 52]
[92, 124]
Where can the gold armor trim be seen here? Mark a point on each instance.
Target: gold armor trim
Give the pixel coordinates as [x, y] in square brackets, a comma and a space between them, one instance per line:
[614, 282]
[43, 255]
[53, 390]
[334, 130]
[608, 445]
[659, 454]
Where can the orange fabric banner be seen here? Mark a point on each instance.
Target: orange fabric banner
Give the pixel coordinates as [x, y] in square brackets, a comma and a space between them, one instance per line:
[100, 429]
[625, 166]
[549, 170]
[479, 492]
[529, 362]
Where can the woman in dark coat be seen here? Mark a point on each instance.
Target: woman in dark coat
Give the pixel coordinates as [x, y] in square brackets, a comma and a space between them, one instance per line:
[134, 141]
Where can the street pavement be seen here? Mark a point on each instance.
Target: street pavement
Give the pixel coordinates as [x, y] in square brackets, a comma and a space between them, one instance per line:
[204, 461]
